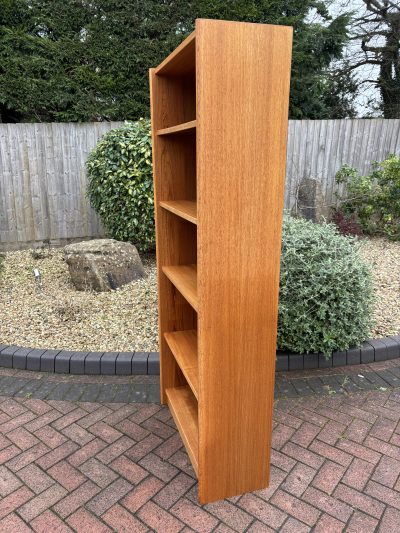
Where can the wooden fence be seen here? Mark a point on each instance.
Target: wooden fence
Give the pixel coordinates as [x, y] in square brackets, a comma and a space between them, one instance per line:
[43, 184]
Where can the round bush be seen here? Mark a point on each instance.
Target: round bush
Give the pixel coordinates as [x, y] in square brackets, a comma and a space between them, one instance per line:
[120, 184]
[325, 301]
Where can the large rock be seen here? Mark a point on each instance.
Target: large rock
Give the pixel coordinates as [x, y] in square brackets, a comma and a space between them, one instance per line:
[103, 264]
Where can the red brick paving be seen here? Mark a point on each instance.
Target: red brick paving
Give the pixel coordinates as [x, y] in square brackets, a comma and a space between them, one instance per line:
[64, 466]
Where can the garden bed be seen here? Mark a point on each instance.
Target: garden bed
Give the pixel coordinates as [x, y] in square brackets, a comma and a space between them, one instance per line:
[57, 316]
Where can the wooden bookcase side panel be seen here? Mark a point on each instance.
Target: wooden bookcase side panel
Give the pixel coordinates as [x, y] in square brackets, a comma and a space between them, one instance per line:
[174, 167]
[242, 111]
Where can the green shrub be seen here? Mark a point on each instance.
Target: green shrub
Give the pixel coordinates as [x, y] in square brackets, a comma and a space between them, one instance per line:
[120, 184]
[325, 300]
[374, 199]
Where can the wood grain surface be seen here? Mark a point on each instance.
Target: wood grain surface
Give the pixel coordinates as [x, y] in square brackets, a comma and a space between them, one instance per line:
[242, 78]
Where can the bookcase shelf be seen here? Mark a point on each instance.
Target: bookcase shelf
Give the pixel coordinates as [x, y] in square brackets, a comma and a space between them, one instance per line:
[219, 109]
[184, 278]
[183, 208]
[179, 128]
[183, 407]
[183, 345]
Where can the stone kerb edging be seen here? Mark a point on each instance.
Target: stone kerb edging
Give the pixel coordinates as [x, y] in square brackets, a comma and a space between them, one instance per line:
[372, 350]
[69, 362]
[148, 363]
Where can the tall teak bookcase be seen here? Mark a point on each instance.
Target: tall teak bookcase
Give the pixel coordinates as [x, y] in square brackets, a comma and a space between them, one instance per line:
[219, 107]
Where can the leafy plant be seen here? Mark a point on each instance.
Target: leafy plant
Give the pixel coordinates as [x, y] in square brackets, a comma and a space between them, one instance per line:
[120, 183]
[373, 199]
[325, 298]
[347, 223]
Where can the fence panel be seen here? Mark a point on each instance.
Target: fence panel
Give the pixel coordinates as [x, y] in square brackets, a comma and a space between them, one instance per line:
[43, 182]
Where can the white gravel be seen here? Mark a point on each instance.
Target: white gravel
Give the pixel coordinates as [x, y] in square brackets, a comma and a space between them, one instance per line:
[55, 315]
[384, 256]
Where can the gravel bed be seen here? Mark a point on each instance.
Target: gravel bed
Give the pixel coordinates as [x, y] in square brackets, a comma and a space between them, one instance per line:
[384, 256]
[55, 315]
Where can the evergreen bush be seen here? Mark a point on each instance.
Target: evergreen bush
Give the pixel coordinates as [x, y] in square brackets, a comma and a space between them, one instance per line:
[326, 290]
[120, 184]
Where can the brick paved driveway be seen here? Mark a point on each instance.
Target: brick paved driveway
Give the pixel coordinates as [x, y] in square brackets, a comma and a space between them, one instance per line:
[80, 466]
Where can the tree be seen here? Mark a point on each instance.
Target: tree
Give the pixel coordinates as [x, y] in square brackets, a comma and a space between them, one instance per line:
[376, 32]
[75, 60]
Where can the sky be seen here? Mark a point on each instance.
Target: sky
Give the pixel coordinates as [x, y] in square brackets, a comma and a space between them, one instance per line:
[368, 92]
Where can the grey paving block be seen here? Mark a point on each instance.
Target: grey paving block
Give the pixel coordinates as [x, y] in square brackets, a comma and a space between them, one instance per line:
[144, 393]
[123, 364]
[362, 382]
[30, 388]
[380, 349]
[393, 348]
[6, 356]
[353, 356]
[3, 346]
[339, 358]
[92, 363]
[310, 360]
[61, 363]
[394, 381]
[47, 360]
[286, 389]
[19, 358]
[375, 379]
[107, 363]
[59, 392]
[367, 353]
[124, 393]
[347, 383]
[77, 362]
[153, 364]
[33, 359]
[316, 385]
[46, 387]
[75, 392]
[302, 387]
[11, 386]
[90, 392]
[282, 361]
[324, 362]
[331, 384]
[107, 392]
[296, 361]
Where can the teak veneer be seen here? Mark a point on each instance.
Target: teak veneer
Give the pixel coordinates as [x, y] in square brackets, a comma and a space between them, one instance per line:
[219, 108]
[180, 128]
[182, 208]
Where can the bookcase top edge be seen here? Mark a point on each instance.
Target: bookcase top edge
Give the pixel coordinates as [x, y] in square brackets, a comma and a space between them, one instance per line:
[180, 54]
[201, 21]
